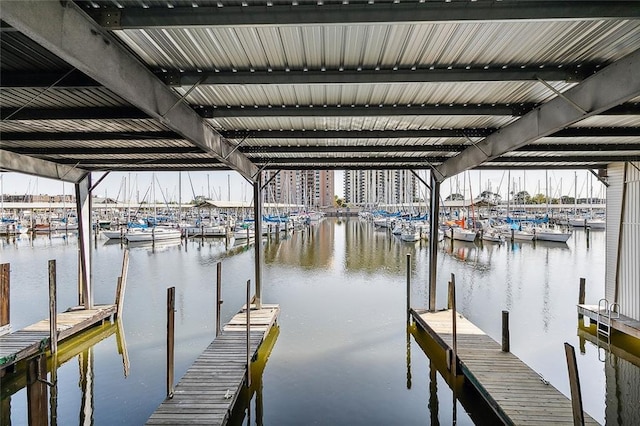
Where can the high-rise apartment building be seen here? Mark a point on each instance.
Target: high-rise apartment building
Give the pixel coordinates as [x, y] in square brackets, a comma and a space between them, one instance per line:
[311, 189]
[372, 187]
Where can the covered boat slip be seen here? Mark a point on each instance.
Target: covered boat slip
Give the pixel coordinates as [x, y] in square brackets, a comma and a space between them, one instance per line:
[513, 390]
[208, 391]
[35, 339]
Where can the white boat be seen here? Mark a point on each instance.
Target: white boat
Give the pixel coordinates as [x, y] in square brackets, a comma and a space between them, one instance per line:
[410, 234]
[578, 221]
[460, 234]
[493, 235]
[596, 223]
[550, 234]
[154, 234]
[243, 234]
[516, 234]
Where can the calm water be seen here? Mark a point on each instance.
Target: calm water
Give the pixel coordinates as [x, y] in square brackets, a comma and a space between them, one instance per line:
[343, 354]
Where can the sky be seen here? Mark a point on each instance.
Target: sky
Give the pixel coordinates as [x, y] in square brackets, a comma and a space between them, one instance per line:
[217, 184]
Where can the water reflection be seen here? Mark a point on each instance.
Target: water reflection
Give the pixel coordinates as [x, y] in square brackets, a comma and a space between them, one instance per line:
[463, 393]
[80, 347]
[249, 406]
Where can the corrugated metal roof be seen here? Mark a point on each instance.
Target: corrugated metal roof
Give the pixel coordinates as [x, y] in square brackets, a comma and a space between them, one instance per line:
[494, 46]
[385, 46]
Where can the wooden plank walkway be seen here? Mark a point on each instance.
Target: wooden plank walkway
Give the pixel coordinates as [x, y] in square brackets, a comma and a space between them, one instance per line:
[623, 323]
[34, 339]
[209, 389]
[516, 393]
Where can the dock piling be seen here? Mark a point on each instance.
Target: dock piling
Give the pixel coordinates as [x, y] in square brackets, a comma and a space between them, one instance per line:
[454, 331]
[218, 296]
[5, 281]
[53, 308]
[171, 303]
[505, 331]
[574, 384]
[408, 287]
[248, 326]
[581, 295]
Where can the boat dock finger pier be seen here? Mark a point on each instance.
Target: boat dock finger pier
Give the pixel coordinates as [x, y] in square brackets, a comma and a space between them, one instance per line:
[208, 391]
[516, 393]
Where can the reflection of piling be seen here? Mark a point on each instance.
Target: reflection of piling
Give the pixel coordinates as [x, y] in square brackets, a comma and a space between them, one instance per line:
[37, 391]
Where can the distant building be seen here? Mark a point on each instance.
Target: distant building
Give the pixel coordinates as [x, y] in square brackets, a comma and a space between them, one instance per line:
[372, 187]
[310, 188]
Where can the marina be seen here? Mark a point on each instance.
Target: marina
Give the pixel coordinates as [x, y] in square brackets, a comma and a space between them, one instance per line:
[333, 258]
[363, 156]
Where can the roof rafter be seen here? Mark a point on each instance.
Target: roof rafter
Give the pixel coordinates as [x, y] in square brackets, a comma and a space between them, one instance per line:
[63, 29]
[231, 16]
[614, 85]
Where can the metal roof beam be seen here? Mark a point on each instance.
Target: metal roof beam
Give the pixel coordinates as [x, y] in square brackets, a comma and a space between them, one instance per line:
[41, 79]
[366, 111]
[426, 160]
[90, 136]
[66, 31]
[380, 13]
[145, 150]
[38, 167]
[571, 132]
[420, 133]
[237, 77]
[614, 85]
[570, 147]
[88, 113]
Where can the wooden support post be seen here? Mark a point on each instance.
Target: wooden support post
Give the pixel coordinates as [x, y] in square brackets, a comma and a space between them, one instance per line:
[408, 287]
[5, 286]
[53, 309]
[248, 315]
[505, 331]
[574, 384]
[581, 294]
[449, 296]
[454, 331]
[588, 232]
[218, 297]
[171, 304]
[122, 284]
[38, 412]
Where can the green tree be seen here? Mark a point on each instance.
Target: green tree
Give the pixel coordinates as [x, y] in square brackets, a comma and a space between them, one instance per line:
[522, 197]
[455, 197]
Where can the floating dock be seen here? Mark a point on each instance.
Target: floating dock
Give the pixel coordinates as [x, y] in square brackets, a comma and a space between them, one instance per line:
[516, 393]
[620, 323]
[210, 387]
[34, 339]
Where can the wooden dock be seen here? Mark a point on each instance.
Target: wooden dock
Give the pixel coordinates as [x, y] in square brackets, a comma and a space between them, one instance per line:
[622, 323]
[34, 339]
[515, 392]
[210, 387]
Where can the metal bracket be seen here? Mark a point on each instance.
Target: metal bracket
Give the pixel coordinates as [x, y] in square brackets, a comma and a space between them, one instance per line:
[476, 145]
[109, 18]
[602, 179]
[235, 148]
[561, 95]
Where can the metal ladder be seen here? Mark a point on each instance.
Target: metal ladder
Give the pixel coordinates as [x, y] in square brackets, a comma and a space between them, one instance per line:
[606, 312]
